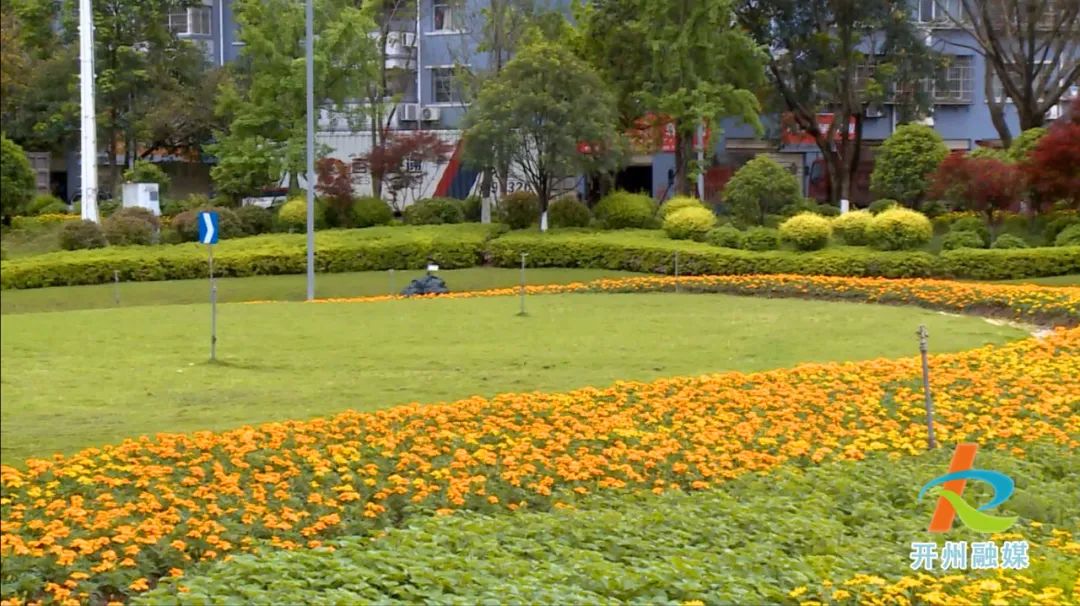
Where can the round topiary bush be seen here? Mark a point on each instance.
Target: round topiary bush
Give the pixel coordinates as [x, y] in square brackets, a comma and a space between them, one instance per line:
[727, 236]
[879, 206]
[569, 212]
[899, 229]
[519, 210]
[961, 239]
[678, 203]
[761, 238]
[172, 208]
[77, 235]
[975, 225]
[933, 208]
[46, 204]
[369, 212]
[186, 224]
[851, 227]
[472, 208]
[434, 211]
[292, 216]
[127, 230]
[1070, 236]
[759, 188]
[255, 220]
[1009, 241]
[806, 231]
[1059, 224]
[689, 223]
[622, 210]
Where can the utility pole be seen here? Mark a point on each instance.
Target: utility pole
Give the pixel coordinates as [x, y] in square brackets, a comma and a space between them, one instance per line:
[88, 159]
[310, 52]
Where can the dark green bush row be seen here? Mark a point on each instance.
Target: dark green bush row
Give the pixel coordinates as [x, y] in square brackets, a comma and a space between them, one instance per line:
[336, 251]
[648, 251]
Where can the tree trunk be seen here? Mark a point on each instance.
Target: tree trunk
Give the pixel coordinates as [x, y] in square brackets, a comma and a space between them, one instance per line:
[486, 183]
[684, 144]
[997, 109]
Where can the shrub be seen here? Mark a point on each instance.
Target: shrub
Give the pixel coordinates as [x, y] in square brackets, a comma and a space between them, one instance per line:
[903, 165]
[434, 211]
[175, 207]
[78, 235]
[899, 229]
[689, 223]
[1016, 223]
[759, 188]
[762, 238]
[292, 216]
[727, 236]
[812, 206]
[962, 239]
[933, 208]
[147, 172]
[17, 182]
[1008, 264]
[1009, 241]
[975, 225]
[622, 210]
[127, 230]
[569, 212]
[255, 220]
[879, 206]
[472, 209]
[1059, 224]
[987, 153]
[46, 204]
[369, 212]
[985, 185]
[1070, 236]
[1050, 166]
[186, 224]
[1023, 144]
[806, 231]
[519, 209]
[851, 227]
[679, 203]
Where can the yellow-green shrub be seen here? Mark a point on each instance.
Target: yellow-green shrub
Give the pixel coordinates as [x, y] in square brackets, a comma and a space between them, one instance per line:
[689, 223]
[622, 209]
[899, 229]
[851, 227]
[679, 203]
[806, 231]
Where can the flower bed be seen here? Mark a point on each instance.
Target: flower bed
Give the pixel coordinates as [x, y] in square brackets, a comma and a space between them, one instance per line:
[112, 521]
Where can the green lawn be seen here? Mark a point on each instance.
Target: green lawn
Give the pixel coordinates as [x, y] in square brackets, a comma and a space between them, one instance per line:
[34, 239]
[82, 378]
[1069, 280]
[277, 288]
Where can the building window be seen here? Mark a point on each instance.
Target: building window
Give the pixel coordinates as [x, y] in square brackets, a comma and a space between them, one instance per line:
[443, 87]
[955, 81]
[939, 10]
[193, 20]
[998, 90]
[413, 165]
[178, 21]
[449, 16]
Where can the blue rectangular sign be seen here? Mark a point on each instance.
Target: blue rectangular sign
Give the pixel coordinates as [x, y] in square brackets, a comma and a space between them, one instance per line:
[208, 227]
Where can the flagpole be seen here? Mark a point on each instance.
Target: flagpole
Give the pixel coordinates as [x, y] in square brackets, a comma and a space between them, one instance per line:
[310, 52]
[88, 160]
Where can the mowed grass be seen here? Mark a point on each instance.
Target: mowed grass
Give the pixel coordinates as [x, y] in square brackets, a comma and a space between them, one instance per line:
[84, 378]
[1066, 280]
[278, 288]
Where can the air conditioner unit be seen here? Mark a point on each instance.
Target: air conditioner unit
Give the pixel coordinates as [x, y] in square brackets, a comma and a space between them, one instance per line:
[429, 114]
[874, 111]
[409, 112]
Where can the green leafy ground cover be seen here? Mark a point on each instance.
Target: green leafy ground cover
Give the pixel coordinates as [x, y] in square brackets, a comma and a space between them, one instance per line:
[81, 378]
[752, 541]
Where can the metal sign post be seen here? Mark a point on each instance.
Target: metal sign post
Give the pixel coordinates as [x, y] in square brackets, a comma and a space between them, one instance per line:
[522, 312]
[924, 348]
[208, 234]
[676, 271]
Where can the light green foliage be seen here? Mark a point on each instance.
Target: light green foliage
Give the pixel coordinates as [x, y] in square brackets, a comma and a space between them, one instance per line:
[519, 209]
[879, 206]
[1070, 236]
[689, 223]
[851, 227]
[434, 211]
[678, 203]
[975, 225]
[1009, 241]
[270, 353]
[532, 115]
[16, 178]
[961, 239]
[686, 60]
[293, 215]
[368, 212]
[903, 165]
[265, 105]
[727, 236]
[621, 209]
[810, 205]
[761, 187]
[806, 231]
[1024, 143]
[899, 229]
[148, 172]
[569, 212]
[989, 152]
[255, 220]
[762, 238]
[45, 204]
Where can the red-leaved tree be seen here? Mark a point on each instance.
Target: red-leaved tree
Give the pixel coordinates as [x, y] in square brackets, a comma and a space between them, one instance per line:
[1053, 167]
[399, 163]
[985, 185]
[335, 186]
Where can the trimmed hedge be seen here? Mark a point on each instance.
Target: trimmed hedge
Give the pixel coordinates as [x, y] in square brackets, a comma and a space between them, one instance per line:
[1008, 263]
[375, 248]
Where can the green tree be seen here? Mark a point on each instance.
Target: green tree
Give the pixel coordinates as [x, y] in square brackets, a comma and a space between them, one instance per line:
[536, 114]
[819, 63]
[1021, 146]
[17, 184]
[264, 103]
[761, 187]
[905, 163]
[686, 60]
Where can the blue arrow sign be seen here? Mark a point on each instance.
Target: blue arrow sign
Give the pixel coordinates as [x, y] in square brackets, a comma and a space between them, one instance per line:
[208, 227]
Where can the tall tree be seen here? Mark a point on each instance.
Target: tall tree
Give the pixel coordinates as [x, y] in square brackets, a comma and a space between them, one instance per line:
[264, 102]
[838, 57]
[686, 60]
[547, 115]
[1031, 49]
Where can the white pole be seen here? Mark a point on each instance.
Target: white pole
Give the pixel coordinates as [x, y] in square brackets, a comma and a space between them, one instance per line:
[701, 163]
[88, 161]
[310, 150]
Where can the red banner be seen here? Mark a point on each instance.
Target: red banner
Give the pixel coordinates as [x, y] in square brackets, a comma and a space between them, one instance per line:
[654, 132]
[793, 134]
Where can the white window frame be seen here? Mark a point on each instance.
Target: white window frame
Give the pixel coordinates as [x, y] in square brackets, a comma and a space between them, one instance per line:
[200, 15]
[453, 16]
[435, 102]
[938, 14]
[961, 64]
[997, 89]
